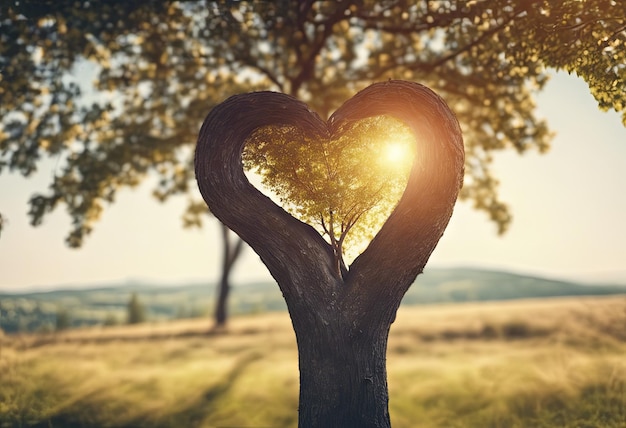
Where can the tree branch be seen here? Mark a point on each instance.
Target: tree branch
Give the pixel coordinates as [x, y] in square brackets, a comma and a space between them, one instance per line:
[429, 67]
[401, 248]
[308, 64]
[265, 226]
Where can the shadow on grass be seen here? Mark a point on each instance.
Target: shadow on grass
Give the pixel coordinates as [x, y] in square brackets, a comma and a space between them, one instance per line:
[206, 404]
[90, 412]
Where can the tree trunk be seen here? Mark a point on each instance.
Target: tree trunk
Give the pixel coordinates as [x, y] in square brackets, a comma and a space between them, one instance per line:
[221, 304]
[341, 319]
[343, 378]
[230, 253]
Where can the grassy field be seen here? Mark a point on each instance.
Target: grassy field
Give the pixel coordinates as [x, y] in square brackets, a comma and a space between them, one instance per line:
[543, 363]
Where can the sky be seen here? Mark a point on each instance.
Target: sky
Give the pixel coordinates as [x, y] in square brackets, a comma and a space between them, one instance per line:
[568, 208]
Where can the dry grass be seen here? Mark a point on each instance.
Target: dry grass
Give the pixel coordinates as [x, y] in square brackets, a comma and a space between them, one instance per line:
[544, 363]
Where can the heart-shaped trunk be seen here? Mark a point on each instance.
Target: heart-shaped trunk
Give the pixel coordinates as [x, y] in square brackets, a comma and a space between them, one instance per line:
[341, 321]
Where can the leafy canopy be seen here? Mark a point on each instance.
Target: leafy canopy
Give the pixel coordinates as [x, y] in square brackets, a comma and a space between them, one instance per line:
[117, 90]
[347, 186]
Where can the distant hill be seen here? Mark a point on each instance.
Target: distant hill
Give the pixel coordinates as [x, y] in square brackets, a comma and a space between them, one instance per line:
[467, 284]
[37, 311]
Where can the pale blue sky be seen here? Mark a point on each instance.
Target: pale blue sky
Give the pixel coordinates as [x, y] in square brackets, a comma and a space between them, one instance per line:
[568, 206]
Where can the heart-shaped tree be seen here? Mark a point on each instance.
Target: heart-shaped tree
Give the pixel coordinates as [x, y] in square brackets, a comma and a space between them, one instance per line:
[341, 319]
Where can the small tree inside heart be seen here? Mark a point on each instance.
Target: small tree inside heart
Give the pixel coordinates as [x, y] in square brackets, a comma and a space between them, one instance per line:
[345, 185]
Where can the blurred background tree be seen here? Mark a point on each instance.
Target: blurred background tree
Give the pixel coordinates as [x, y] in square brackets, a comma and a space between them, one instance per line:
[136, 312]
[116, 91]
[63, 319]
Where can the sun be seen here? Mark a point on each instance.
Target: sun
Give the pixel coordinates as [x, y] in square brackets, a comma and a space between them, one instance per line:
[396, 153]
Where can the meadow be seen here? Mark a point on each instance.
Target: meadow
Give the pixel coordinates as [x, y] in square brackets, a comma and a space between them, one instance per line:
[526, 363]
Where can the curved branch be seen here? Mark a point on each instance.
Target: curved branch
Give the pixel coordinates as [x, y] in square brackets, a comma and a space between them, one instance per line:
[291, 249]
[400, 250]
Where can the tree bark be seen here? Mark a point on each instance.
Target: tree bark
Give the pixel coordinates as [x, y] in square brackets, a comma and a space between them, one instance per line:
[343, 378]
[230, 253]
[341, 321]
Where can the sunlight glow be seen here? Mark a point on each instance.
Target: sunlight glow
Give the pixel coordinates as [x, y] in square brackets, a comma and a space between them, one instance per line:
[396, 152]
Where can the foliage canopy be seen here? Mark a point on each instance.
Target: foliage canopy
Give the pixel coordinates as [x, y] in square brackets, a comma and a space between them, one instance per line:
[156, 68]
